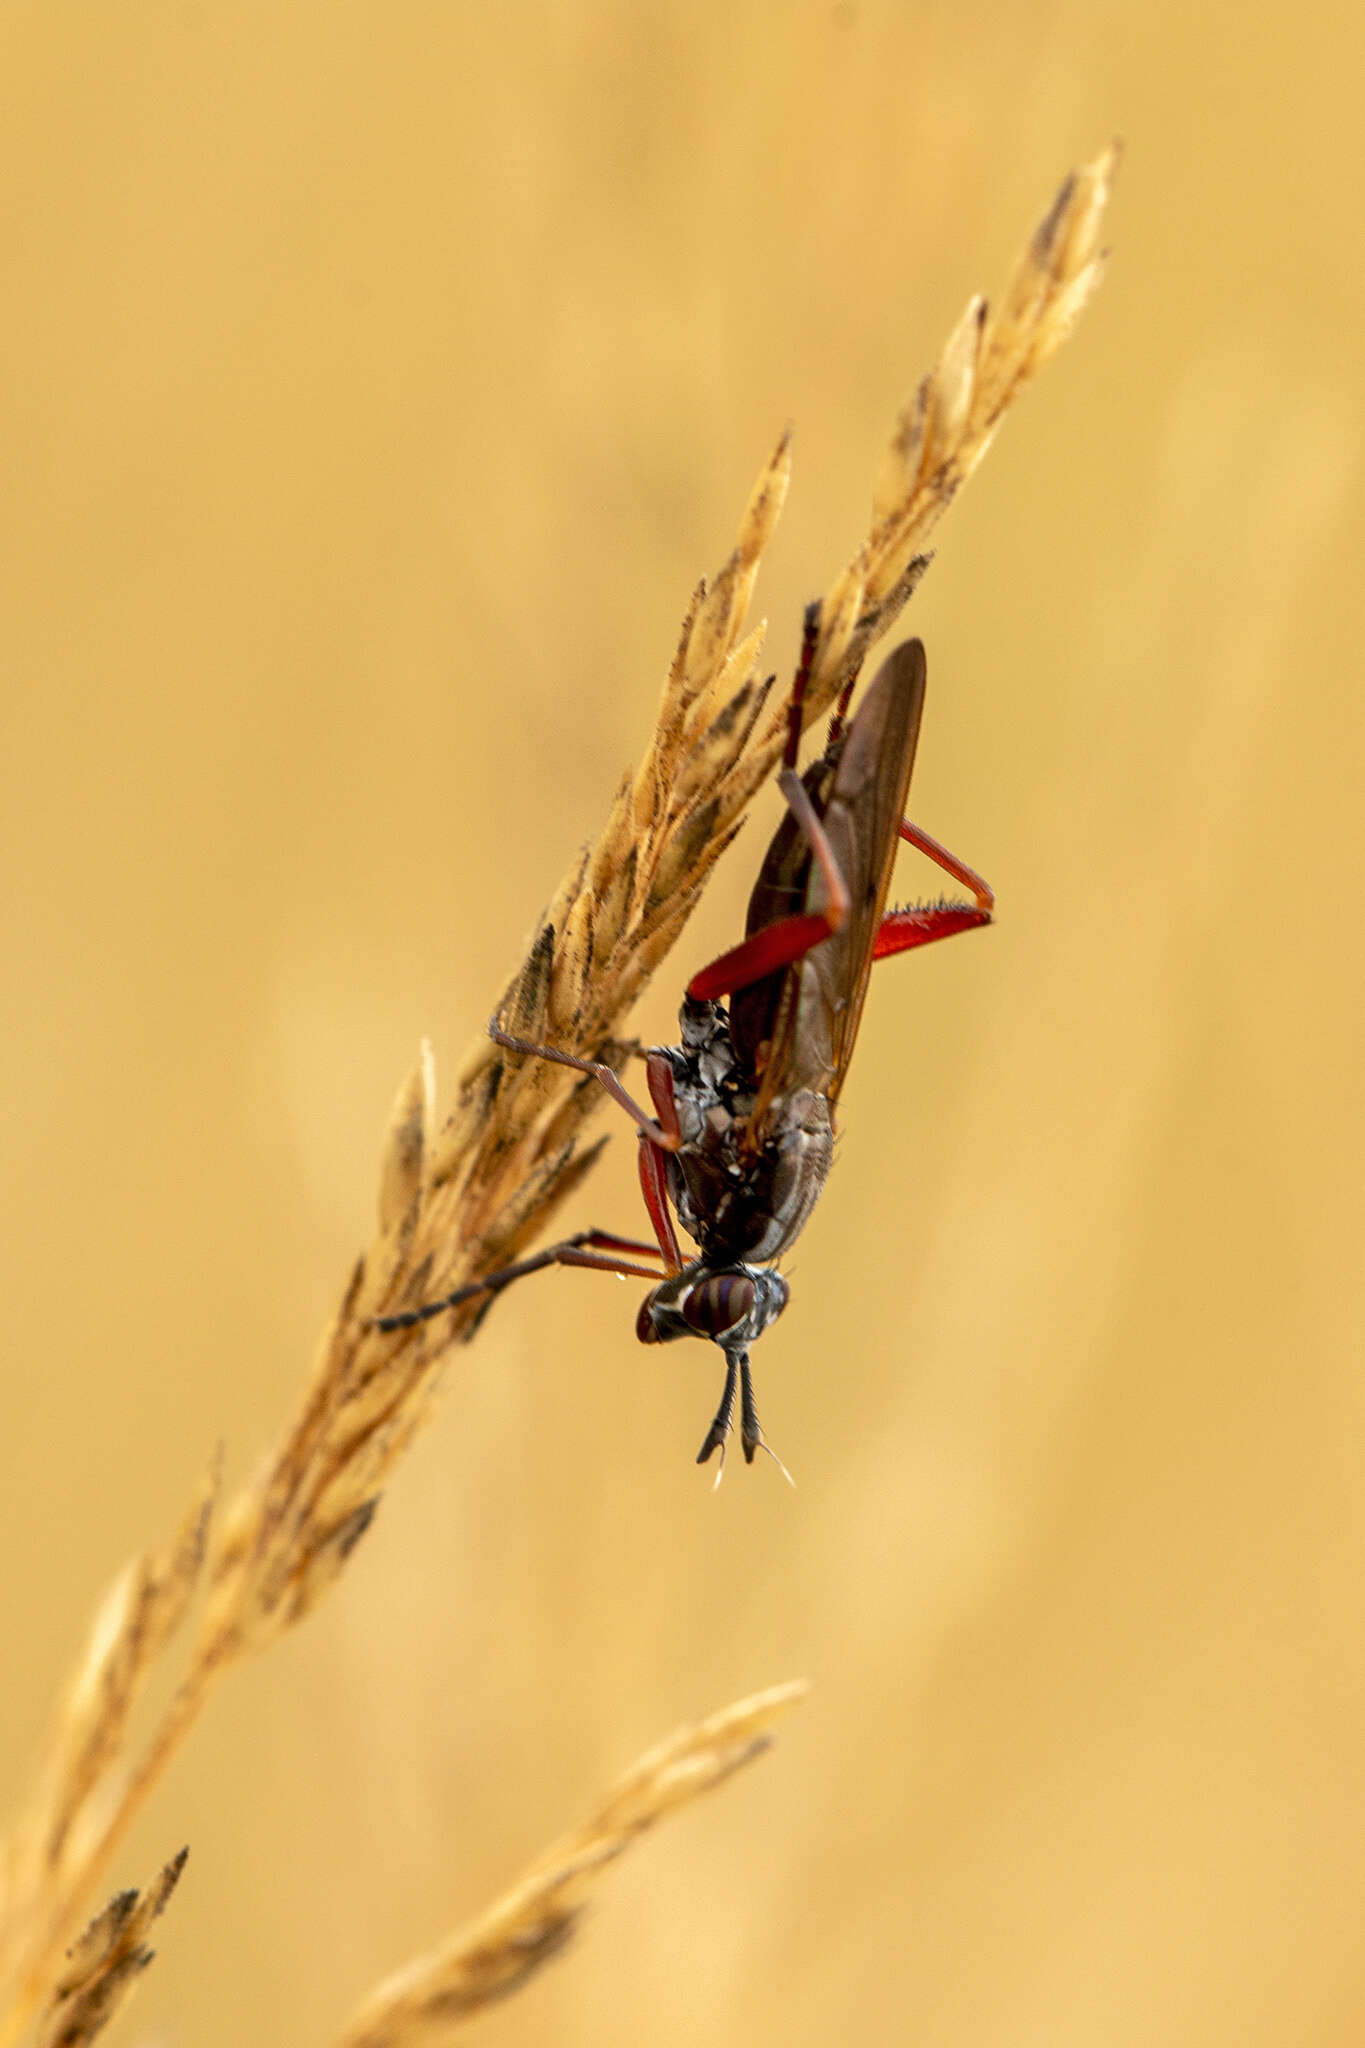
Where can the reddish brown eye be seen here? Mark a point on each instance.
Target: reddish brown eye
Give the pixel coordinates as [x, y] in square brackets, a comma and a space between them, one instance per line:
[718, 1302]
[644, 1321]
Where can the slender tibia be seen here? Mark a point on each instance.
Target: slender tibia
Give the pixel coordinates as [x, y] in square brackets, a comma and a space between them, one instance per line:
[810, 639]
[900, 930]
[572, 1251]
[914, 835]
[668, 1141]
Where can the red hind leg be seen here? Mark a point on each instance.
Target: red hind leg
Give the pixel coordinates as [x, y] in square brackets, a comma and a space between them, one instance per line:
[777, 945]
[652, 1163]
[902, 929]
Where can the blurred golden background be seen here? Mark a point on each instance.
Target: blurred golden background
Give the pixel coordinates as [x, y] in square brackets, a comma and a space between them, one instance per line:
[377, 382]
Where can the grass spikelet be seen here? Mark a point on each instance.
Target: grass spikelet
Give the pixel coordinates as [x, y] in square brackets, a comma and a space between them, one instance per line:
[410, 1127]
[947, 426]
[457, 1202]
[104, 1965]
[500, 1951]
[52, 1859]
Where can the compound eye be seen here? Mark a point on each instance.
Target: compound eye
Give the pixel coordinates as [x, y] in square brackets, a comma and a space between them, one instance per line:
[644, 1321]
[715, 1304]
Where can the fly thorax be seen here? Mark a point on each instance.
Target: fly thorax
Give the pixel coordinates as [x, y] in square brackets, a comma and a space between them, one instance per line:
[705, 1032]
[702, 1069]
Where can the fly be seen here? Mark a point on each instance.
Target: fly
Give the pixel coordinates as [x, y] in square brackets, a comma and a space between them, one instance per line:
[742, 1134]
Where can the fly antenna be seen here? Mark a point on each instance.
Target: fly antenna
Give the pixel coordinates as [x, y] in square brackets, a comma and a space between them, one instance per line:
[724, 1419]
[750, 1428]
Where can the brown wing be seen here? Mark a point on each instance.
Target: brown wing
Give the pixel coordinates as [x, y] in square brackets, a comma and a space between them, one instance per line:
[862, 820]
[795, 1028]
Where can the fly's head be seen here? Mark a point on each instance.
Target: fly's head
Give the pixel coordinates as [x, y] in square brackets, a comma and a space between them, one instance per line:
[730, 1304]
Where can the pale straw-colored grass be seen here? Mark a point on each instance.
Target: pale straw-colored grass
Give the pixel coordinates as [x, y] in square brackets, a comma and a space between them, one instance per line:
[103, 1966]
[460, 1199]
[497, 1953]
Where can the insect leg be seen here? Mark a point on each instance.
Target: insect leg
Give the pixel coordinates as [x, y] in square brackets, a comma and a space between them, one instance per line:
[838, 718]
[914, 835]
[724, 1419]
[591, 1248]
[654, 1188]
[657, 1136]
[750, 1429]
[901, 929]
[777, 945]
[810, 636]
[667, 1140]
